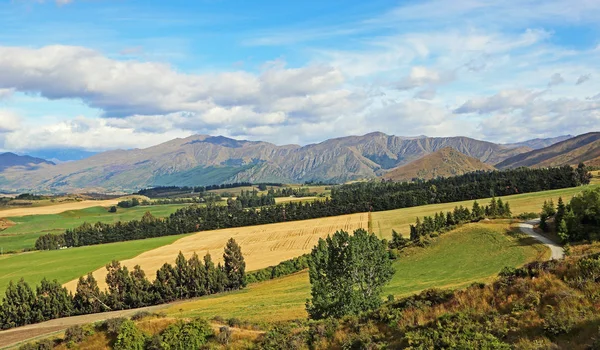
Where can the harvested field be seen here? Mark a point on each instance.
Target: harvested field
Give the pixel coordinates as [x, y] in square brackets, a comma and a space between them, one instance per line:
[262, 245]
[58, 208]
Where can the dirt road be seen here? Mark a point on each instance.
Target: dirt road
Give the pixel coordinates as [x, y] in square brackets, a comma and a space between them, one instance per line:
[557, 250]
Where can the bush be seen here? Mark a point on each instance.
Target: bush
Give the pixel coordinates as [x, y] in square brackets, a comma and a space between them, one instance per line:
[75, 334]
[183, 335]
[528, 216]
[45, 344]
[224, 335]
[141, 315]
[113, 325]
[112, 209]
[130, 337]
[282, 337]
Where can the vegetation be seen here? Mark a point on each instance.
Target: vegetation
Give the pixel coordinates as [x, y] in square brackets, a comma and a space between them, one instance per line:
[353, 198]
[23, 234]
[187, 279]
[347, 274]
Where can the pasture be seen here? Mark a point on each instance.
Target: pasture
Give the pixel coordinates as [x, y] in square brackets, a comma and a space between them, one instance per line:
[262, 245]
[472, 253]
[67, 264]
[383, 222]
[46, 207]
[27, 229]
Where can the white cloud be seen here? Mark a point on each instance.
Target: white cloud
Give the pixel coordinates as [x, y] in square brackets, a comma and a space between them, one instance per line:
[9, 121]
[503, 101]
[421, 76]
[583, 78]
[6, 93]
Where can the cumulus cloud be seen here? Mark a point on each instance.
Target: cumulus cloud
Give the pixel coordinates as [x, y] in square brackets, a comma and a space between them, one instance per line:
[420, 76]
[426, 94]
[9, 121]
[556, 79]
[583, 78]
[505, 100]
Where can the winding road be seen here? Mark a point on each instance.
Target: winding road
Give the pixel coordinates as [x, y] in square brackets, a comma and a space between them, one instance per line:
[557, 250]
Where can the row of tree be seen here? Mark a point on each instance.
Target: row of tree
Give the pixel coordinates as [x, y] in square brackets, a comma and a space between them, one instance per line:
[251, 199]
[346, 199]
[576, 221]
[162, 191]
[126, 289]
[440, 222]
[289, 191]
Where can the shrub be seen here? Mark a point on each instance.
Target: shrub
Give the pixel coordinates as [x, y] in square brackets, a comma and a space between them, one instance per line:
[224, 335]
[283, 337]
[528, 216]
[130, 337]
[75, 334]
[141, 315]
[113, 325]
[183, 335]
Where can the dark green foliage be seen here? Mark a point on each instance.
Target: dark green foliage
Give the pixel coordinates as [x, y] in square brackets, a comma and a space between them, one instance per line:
[283, 337]
[130, 337]
[112, 326]
[398, 242]
[44, 344]
[18, 306]
[582, 174]
[184, 336]
[347, 274]
[577, 221]
[50, 241]
[235, 266]
[112, 209]
[52, 301]
[284, 268]
[88, 299]
[130, 203]
[345, 199]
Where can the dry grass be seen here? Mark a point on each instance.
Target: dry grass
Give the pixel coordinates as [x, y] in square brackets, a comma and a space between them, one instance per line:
[57, 208]
[262, 245]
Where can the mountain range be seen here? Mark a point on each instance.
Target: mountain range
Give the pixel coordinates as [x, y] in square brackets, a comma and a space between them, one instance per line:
[206, 160]
[8, 160]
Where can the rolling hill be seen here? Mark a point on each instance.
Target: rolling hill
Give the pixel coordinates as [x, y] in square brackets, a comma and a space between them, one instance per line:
[204, 160]
[583, 148]
[442, 163]
[8, 160]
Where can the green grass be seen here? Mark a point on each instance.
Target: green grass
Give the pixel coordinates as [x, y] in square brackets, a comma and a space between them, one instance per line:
[28, 228]
[68, 264]
[476, 252]
[384, 221]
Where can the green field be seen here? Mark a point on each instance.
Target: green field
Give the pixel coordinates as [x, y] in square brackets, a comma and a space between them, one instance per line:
[68, 264]
[384, 221]
[476, 252]
[28, 228]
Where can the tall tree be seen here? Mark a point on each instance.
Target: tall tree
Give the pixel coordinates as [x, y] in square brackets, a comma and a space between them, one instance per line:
[18, 305]
[235, 266]
[52, 301]
[88, 299]
[347, 274]
[197, 282]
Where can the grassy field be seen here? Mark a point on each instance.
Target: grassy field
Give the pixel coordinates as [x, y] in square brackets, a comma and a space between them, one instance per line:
[384, 221]
[67, 264]
[27, 229]
[262, 245]
[596, 177]
[476, 252]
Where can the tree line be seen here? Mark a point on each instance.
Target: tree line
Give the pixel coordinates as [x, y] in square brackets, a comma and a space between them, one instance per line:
[188, 278]
[161, 191]
[440, 222]
[346, 199]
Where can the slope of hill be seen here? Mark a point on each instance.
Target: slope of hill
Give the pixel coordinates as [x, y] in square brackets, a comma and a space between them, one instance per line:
[540, 143]
[583, 148]
[442, 163]
[204, 160]
[8, 160]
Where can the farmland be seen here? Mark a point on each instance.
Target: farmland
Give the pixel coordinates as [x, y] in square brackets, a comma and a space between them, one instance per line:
[46, 207]
[384, 221]
[66, 264]
[450, 262]
[263, 245]
[27, 229]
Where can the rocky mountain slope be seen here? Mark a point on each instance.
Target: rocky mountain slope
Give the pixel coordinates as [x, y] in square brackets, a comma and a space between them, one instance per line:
[583, 148]
[8, 160]
[202, 160]
[442, 163]
[540, 143]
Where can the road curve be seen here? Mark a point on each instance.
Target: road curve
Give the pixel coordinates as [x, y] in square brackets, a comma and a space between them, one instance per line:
[557, 250]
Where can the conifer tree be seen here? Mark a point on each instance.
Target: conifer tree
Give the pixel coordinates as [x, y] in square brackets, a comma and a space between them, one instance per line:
[88, 299]
[17, 305]
[235, 266]
[197, 281]
[52, 301]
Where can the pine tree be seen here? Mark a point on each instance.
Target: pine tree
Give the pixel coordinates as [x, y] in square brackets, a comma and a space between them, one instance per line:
[560, 210]
[562, 231]
[477, 213]
[197, 281]
[88, 299]
[52, 301]
[235, 266]
[18, 305]
[212, 276]
[182, 276]
[165, 284]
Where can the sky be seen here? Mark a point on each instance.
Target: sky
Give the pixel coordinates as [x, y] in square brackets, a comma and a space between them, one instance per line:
[97, 75]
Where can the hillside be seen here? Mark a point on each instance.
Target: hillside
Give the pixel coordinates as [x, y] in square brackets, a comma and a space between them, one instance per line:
[205, 160]
[583, 148]
[442, 163]
[8, 160]
[540, 143]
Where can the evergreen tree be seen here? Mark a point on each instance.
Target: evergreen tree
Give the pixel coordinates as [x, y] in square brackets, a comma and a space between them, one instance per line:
[18, 305]
[140, 293]
[235, 266]
[88, 299]
[182, 276]
[53, 301]
[560, 210]
[165, 284]
[477, 212]
[197, 282]
[562, 230]
[347, 274]
[118, 282]
[212, 275]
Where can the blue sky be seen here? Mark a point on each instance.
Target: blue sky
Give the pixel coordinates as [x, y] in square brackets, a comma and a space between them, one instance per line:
[105, 74]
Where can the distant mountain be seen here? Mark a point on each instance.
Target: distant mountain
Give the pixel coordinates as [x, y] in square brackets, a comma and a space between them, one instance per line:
[62, 155]
[8, 160]
[203, 160]
[540, 143]
[442, 163]
[583, 148]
